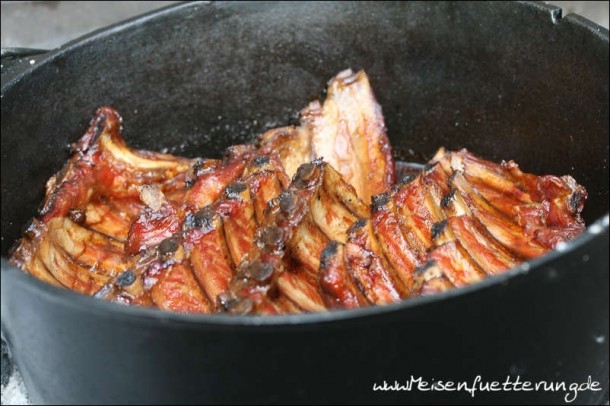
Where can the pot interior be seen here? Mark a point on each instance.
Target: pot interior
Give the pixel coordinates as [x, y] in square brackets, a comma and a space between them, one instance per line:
[507, 81]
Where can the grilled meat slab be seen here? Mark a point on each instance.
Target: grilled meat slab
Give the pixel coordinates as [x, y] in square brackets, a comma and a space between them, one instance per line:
[285, 259]
[77, 239]
[206, 245]
[347, 131]
[462, 219]
[307, 219]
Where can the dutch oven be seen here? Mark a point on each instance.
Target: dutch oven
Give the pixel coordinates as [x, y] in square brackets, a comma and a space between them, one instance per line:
[506, 80]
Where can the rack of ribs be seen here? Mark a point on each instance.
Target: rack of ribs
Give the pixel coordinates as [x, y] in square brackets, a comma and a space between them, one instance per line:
[307, 218]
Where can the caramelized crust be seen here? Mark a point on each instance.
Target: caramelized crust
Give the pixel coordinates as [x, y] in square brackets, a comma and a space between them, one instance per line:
[285, 226]
[339, 289]
[291, 240]
[90, 206]
[347, 131]
[177, 290]
[452, 226]
[207, 243]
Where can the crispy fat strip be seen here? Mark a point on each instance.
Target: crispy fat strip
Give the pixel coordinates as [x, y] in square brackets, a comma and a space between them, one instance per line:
[430, 279]
[504, 203]
[73, 256]
[335, 207]
[99, 253]
[109, 218]
[436, 184]
[412, 201]
[477, 170]
[288, 306]
[264, 187]
[238, 220]
[291, 144]
[24, 255]
[266, 179]
[491, 256]
[69, 273]
[332, 210]
[307, 244]
[38, 269]
[503, 229]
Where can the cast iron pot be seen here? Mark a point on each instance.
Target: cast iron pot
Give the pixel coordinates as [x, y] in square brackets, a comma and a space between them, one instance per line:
[505, 80]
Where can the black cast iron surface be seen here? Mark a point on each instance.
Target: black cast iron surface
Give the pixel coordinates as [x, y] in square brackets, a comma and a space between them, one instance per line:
[505, 80]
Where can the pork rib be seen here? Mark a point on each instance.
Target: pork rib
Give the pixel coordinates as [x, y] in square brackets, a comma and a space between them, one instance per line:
[77, 239]
[239, 235]
[347, 131]
[206, 244]
[460, 220]
[317, 207]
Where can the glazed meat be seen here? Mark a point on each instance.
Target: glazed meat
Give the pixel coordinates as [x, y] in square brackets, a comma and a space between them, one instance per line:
[193, 263]
[308, 218]
[462, 219]
[282, 266]
[347, 131]
[77, 241]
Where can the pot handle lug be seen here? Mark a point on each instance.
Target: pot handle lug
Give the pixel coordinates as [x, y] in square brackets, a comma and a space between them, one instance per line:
[14, 60]
[13, 53]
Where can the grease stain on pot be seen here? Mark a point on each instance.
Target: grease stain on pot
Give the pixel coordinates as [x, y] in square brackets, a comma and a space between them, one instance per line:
[595, 229]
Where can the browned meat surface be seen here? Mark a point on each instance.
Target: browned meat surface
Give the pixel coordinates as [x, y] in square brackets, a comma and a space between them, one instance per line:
[347, 131]
[308, 219]
[459, 221]
[339, 289]
[317, 207]
[206, 245]
[77, 241]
